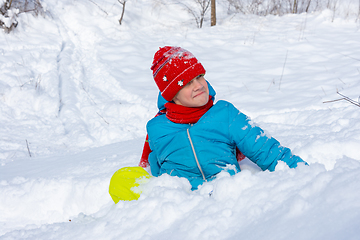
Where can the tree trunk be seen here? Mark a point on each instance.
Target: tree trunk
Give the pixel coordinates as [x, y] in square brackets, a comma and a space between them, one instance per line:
[295, 7]
[307, 8]
[213, 12]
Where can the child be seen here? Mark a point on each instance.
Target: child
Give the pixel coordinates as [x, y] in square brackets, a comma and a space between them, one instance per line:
[194, 138]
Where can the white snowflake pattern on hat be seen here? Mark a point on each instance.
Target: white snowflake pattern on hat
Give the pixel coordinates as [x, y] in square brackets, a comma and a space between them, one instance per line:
[165, 79]
[180, 83]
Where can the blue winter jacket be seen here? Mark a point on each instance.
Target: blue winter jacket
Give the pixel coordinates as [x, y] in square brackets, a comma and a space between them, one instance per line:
[200, 151]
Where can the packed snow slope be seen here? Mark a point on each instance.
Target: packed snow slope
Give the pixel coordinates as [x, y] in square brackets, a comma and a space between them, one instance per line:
[76, 91]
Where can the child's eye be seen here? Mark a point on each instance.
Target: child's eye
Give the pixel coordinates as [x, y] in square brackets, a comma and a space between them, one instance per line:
[189, 83]
[197, 78]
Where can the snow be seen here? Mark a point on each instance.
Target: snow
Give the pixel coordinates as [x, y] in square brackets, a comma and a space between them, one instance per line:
[76, 91]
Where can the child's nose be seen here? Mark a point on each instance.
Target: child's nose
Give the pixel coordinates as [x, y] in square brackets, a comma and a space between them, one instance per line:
[197, 84]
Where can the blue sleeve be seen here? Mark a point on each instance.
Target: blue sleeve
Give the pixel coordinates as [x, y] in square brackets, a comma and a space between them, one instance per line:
[251, 140]
[154, 164]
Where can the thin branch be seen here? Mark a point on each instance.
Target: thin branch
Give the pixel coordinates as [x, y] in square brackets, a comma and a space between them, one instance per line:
[123, 11]
[272, 82]
[334, 100]
[349, 99]
[99, 7]
[102, 118]
[307, 8]
[345, 55]
[82, 86]
[10, 4]
[27, 144]
[29, 10]
[283, 68]
[341, 81]
[344, 98]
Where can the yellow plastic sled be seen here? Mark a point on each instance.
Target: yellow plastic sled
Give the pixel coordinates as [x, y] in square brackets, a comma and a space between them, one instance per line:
[124, 180]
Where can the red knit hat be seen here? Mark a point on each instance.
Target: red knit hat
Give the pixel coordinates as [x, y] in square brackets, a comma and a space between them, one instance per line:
[173, 68]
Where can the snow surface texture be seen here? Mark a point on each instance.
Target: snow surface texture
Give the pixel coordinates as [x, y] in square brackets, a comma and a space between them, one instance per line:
[76, 88]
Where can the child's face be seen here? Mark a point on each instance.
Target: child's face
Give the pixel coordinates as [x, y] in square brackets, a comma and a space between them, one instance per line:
[193, 94]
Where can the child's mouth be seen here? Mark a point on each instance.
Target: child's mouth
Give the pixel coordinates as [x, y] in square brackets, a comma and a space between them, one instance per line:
[200, 93]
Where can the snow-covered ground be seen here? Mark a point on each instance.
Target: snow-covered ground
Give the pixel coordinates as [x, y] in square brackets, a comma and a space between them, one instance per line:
[76, 92]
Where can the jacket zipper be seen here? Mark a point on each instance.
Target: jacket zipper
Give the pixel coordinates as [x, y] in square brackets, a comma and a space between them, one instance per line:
[196, 159]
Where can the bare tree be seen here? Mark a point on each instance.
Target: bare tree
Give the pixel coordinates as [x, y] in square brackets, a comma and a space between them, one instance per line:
[204, 6]
[10, 9]
[199, 12]
[213, 12]
[274, 7]
[123, 2]
[4, 12]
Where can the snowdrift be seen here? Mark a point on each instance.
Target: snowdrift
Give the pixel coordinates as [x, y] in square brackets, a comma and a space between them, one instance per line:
[76, 92]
